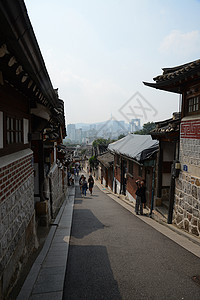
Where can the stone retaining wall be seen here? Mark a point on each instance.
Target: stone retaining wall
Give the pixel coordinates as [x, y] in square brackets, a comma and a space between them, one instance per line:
[59, 187]
[187, 192]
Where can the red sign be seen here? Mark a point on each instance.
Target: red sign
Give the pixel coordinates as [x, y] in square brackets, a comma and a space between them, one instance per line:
[190, 129]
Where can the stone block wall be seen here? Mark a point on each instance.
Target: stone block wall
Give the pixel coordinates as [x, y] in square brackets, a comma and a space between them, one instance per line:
[190, 151]
[17, 216]
[187, 192]
[187, 203]
[59, 188]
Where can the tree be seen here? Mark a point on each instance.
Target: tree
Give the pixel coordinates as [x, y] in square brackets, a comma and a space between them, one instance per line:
[147, 128]
[100, 141]
[93, 161]
[121, 136]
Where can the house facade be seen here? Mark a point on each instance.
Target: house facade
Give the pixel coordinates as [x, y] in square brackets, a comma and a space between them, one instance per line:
[185, 80]
[31, 125]
[167, 132]
[134, 158]
[105, 169]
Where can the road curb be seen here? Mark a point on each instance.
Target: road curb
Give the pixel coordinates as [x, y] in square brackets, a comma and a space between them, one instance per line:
[184, 239]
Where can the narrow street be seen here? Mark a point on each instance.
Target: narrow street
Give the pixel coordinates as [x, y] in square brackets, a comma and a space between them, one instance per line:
[115, 255]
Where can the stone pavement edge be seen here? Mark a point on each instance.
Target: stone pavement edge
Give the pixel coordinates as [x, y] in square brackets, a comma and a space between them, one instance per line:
[46, 277]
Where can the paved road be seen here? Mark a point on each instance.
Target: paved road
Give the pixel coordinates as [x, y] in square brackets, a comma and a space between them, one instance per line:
[115, 255]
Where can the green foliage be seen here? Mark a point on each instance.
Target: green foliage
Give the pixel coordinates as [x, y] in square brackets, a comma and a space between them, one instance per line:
[83, 151]
[121, 136]
[147, 128]
[100, 141]
[93, 161]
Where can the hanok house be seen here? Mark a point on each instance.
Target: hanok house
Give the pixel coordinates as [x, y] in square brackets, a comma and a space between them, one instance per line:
[134, 158]
[167, 133]
[185, 80]
[31, 124]
[105, 169]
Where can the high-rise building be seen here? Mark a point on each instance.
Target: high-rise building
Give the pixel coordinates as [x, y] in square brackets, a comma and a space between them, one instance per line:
[71, 132]
[78, 135]
[135, 125]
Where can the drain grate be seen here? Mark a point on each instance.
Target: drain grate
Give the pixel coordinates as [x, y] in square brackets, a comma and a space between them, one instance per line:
[196, 279]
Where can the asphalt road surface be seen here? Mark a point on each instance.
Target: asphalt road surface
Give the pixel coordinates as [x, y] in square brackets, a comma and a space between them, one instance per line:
[115, 255]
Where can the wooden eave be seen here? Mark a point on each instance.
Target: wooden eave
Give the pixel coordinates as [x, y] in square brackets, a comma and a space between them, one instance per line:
[175, 83]
[163, 136]
[22, 64]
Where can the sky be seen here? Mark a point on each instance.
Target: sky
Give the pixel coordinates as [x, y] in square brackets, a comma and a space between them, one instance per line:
[99, 52]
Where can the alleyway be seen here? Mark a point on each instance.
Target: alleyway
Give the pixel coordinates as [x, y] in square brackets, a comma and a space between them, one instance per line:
[115, 255]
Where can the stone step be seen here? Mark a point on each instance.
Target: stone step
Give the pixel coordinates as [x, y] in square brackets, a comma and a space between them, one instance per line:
[165, 203]
[163, 211]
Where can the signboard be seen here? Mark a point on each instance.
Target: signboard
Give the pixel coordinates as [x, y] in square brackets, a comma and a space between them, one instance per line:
[185, 168]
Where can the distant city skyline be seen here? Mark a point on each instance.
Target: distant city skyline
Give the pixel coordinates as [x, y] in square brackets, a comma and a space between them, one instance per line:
[87, 132]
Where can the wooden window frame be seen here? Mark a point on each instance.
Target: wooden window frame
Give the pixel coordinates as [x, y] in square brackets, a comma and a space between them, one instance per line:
[9, 148]
[193, 105]
[140, 170]
[130, 167]
[191, 100]
[13, 130]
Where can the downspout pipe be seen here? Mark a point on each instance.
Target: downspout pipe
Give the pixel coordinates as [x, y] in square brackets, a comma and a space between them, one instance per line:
[153, 188]
[174, 174]
[171, 198]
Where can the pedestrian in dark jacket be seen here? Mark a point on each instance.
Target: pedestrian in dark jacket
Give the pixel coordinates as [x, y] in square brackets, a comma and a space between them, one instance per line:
[138, 193]
[84, 186]
[81, 182]
[91, 183]
[143, 193]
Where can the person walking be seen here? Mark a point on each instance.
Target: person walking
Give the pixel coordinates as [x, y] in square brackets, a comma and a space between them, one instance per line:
[91, 183]
[139, 204]
[143, 194]
[84, 187]
[77, 171]
[81, 182]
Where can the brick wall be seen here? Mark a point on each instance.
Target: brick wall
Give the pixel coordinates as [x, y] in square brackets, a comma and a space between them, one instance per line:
[103, 175]
[131, 179]
[13, 175]
[131, 185]
[117, 173]
[17, 222]
[110, 177]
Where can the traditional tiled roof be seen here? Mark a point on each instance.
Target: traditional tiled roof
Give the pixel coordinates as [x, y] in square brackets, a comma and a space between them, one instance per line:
[106, 159]
[174, 79]
[135, 146]
[168, 127]
[172, 73]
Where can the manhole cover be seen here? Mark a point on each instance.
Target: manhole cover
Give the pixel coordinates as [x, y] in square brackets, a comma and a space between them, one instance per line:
[196, 278]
